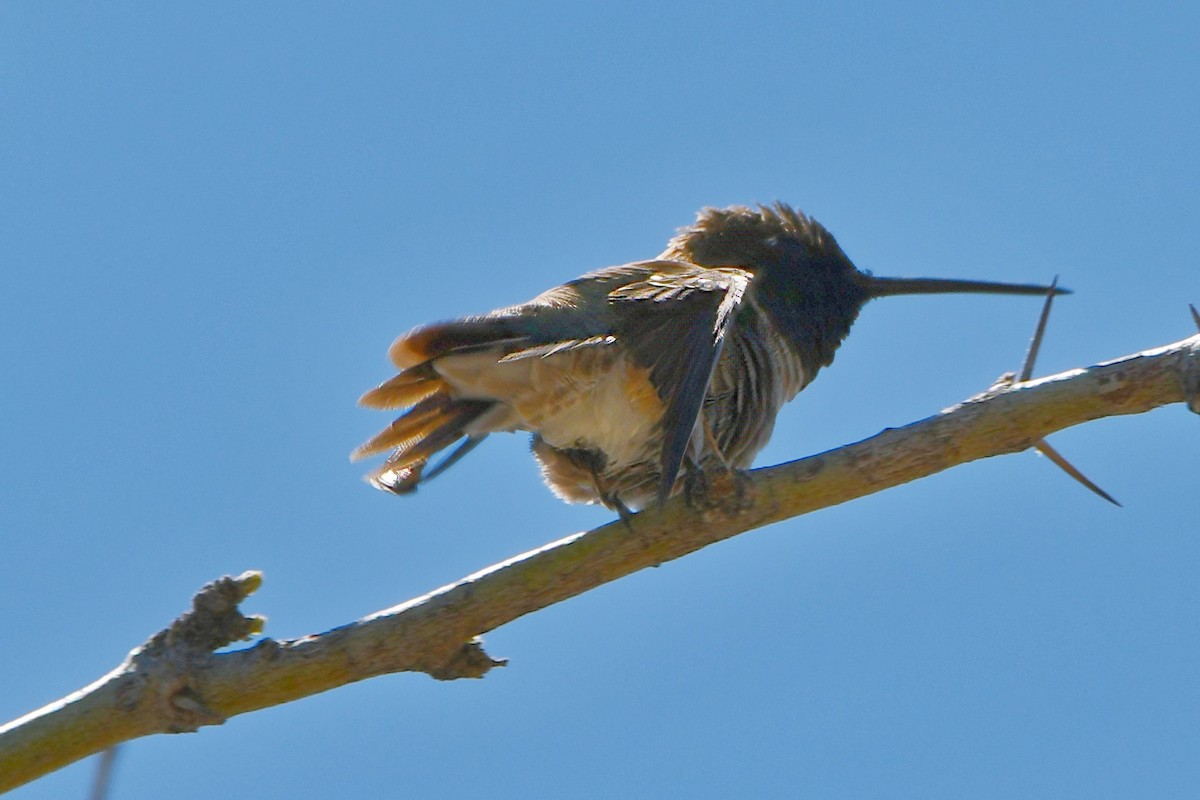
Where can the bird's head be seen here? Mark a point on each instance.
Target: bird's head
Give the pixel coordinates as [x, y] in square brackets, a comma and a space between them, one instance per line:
[803, 280]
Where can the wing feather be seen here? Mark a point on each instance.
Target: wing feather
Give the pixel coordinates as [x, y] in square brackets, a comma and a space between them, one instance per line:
[675, 322]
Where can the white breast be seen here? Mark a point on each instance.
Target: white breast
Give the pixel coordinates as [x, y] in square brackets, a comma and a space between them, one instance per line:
[592, 397]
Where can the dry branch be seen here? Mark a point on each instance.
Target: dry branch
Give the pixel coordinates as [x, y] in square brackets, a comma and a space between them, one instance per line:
[176, 683]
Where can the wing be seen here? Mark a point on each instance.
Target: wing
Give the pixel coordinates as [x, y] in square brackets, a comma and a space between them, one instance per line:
[566, 318]
[674, 322]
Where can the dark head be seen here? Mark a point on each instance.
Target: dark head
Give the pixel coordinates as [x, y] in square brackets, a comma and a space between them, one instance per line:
[803, 280]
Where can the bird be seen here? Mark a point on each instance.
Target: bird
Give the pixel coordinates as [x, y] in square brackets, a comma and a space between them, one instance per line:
[634, 379]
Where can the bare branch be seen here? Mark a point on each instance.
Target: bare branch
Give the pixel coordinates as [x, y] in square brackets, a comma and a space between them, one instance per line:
[175, 683]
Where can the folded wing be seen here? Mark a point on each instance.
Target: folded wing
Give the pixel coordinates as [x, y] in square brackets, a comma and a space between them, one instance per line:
[675, 322]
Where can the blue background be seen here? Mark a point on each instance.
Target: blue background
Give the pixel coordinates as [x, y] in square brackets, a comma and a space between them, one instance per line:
[215, 218]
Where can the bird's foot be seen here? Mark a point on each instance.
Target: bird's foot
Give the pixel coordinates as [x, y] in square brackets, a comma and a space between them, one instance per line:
[696, 489]
[730, 490]
[623, 511]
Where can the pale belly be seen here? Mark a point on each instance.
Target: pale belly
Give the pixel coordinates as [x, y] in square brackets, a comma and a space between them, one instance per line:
[591, 398]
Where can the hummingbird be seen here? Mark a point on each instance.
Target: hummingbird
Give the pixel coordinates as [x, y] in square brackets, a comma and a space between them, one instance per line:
[634, 378]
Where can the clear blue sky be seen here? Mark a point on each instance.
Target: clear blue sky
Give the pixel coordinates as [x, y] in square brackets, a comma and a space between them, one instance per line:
[215, 218]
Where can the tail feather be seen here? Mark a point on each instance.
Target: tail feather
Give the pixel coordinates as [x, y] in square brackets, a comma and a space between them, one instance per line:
[435, 420]
[422, 421]
[430, 426]
[408, 388]
[468, 444]
[443, 338]
[397, 480]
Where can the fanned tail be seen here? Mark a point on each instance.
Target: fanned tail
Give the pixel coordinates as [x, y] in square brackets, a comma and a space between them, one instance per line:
[435, 419]
[408, 388]
[432, 425]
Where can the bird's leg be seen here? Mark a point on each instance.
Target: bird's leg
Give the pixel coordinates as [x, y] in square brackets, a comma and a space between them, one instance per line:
[738, 477]
[623, 511]
[608, 495]
[729, 489]
[695, 484]
[710, 439]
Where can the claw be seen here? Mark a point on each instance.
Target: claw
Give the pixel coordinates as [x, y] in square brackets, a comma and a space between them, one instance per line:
[742, 486]
[696, 487]
[614, 502]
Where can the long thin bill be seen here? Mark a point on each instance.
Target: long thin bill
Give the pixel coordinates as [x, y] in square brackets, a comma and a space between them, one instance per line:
[888, 287]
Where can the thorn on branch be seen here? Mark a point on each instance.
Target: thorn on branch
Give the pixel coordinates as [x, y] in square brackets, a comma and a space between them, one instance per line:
[1066, 466]
[104, 772]
[1035, 344]
[1042, 445]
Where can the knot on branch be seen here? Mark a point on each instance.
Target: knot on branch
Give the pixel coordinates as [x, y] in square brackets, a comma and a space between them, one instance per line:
[215, 619]
[1189, 374]
[468, 661]
[164, 670]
